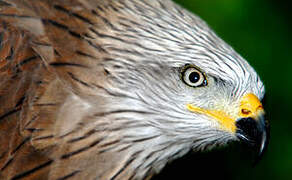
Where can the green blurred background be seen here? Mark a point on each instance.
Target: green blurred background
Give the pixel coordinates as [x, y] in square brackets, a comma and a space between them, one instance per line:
[260, 30]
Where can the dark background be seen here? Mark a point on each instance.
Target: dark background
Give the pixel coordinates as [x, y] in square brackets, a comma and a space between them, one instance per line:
[259, 30]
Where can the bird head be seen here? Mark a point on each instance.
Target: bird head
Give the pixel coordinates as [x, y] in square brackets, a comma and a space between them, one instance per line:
[194, 104]
[181, 81]
[171, 85]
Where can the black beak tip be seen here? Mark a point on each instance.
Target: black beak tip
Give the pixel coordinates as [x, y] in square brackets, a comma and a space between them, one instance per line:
[255, 134]
[265, 140]
[262, 147]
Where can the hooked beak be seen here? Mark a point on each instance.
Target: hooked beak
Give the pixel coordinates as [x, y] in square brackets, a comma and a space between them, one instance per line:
[255, 133]
[249, 125]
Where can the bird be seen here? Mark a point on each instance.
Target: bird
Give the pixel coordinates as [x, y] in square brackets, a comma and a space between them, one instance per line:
[117, 89]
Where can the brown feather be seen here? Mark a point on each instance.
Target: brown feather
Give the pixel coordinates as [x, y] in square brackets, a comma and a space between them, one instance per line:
[44, 48]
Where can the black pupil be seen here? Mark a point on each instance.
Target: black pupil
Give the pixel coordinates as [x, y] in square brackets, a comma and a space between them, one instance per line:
[194, 77]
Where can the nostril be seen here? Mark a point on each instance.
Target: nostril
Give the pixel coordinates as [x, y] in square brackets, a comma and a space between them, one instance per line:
[245, 111]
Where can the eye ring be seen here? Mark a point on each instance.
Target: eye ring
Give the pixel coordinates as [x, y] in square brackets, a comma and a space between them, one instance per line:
[193, 77]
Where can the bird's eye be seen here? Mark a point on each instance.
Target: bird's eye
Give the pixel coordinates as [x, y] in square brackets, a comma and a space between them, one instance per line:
[193, 77]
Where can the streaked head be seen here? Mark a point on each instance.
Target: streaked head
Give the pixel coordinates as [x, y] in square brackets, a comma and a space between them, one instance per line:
[176, 84]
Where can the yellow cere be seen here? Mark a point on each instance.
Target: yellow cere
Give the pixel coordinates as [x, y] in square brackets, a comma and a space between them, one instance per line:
[226, 121]
[250, 106]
